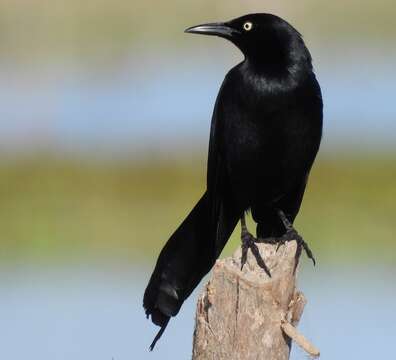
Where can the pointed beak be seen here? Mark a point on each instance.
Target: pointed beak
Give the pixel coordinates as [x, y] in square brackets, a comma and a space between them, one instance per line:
[216, 29]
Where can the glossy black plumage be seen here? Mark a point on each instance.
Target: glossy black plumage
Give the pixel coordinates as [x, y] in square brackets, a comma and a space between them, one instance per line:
[265, 133]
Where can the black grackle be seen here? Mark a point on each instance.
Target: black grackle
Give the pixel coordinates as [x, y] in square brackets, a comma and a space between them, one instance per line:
[265, 133]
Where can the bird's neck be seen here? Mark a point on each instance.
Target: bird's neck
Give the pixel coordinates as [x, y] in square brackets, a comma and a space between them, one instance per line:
[261, 86]
[284, 74]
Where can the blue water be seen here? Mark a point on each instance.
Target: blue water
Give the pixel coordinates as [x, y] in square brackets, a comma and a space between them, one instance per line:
[94, 312]
[151, 103]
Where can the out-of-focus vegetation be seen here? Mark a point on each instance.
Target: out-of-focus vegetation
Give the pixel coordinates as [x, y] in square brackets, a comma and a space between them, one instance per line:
[52, 208]
[108, 27]
[55, 209]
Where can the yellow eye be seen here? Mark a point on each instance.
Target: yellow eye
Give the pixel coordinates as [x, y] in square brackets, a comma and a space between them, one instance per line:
[247, 26]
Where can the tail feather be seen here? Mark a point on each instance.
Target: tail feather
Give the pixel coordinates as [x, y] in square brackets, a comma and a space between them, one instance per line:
[159, 334]
[185, 259]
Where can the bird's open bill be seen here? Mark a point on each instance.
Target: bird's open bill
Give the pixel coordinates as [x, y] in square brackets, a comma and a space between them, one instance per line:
[217, 29]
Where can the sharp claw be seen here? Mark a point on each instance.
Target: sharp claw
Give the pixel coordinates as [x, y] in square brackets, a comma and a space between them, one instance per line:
[259, 259]
[245, 247]
[243, 256]
[292, 234]
[308, 250]
[297, 256]
[249, 243]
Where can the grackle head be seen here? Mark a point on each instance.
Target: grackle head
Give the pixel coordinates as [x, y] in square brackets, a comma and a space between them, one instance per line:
[264, 39]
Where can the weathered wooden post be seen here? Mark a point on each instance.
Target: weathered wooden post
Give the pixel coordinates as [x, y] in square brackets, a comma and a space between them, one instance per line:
[246, 314]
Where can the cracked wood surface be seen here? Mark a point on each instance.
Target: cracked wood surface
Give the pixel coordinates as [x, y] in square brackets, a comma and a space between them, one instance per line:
[240, 314]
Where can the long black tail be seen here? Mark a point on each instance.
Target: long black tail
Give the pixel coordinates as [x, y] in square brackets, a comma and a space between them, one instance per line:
[186, 258]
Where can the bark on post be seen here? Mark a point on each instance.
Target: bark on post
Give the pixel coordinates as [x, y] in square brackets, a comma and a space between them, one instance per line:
[244, 315]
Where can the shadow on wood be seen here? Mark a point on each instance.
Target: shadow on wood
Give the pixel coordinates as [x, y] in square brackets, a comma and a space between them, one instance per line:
[246, 314]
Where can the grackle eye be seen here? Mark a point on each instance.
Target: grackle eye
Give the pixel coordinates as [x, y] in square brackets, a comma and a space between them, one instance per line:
[247, 26]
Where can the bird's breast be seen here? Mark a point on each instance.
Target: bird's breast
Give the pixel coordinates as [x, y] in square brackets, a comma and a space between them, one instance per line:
[252, 151]
[268, 141]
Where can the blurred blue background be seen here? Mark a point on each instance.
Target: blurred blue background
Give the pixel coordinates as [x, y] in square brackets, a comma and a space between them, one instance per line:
[105, 117]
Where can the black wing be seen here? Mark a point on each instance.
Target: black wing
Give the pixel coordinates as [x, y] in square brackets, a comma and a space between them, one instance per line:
[223, 214]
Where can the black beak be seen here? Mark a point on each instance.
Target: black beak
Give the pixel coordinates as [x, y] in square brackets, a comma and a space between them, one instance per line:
[217, 29]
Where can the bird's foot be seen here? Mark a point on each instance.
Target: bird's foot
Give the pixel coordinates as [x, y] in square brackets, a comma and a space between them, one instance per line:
[249, 242]
[292, 234]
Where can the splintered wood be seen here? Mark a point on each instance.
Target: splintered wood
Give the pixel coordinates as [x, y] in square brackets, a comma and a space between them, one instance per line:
[243, 315]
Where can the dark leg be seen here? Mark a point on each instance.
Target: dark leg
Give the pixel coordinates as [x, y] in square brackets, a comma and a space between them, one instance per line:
[249, 242]
[292, 234]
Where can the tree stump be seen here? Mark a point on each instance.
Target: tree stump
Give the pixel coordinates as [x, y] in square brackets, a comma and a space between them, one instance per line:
[246, 314]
